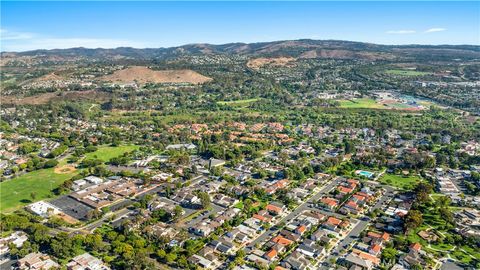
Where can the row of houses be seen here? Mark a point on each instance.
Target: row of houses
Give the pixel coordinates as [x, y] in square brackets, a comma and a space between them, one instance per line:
[43, 261]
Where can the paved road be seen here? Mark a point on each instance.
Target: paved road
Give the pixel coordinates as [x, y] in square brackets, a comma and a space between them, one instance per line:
[8, 264]
[92, 226]
[304, 206]
[355, 232]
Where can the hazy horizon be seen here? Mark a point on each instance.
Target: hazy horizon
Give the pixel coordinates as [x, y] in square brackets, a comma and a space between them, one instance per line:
[58, 25]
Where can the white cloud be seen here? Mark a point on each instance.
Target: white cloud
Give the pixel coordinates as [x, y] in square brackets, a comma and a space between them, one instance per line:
[11, 35]
[22, 41]
[401, 32]
[433, 30]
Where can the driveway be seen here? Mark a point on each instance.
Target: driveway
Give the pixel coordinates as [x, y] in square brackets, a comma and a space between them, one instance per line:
[302, 207]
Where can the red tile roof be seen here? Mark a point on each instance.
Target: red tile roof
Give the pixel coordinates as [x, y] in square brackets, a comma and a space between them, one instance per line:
[386, 236]
[374, 235]
[352, 204]
[301, 228]
[261, 218]
[334, 221]
[416, 246]
[368, 257]
[376, 248]
[329, 201]
[281, 240]
[271, 254]
[359, 197]
[273, 208]
[343, 189]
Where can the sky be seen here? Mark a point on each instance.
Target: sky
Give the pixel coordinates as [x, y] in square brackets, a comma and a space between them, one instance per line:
[48, 25]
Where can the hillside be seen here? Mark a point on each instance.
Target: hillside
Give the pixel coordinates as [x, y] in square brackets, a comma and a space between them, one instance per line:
[144, 74]
[292, 48]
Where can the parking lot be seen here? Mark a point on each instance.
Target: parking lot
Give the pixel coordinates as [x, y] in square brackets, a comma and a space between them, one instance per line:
[72, 207]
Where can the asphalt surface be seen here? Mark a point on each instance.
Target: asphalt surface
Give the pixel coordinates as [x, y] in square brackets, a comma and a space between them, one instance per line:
[355, 232]
[304, 206]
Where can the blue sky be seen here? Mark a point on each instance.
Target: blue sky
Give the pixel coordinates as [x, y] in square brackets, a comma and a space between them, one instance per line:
[48, 25]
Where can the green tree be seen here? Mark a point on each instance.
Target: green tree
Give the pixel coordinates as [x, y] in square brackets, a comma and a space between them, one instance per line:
[413, 220]
[204, 199]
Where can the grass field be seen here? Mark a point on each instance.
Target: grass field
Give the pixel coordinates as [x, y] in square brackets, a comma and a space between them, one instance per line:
[16, 192]
[238, 102]
[361, 103]
[399, 181]
[404, 72]
[105, 153]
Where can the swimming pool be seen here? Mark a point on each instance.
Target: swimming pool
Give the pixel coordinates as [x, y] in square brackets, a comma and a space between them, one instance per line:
[365, 173]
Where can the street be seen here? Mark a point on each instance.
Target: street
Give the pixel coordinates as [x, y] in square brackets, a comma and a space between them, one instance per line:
[304, 206]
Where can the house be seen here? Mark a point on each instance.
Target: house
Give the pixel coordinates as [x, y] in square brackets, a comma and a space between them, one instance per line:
[263, 217]
[344, 190]
[257, 257]
[321, 235]
[412, 258]
[36, 261]
[201, 261]
[183, 146]
[86, 262]
[202, 230]
[355, 260]
[246, 230]
[301, 229]
[379, 237]
[311, 249]
[362, 247]
[222, 247]
[17, 239]
[367, 256]
[332, 223]
[222, 200]
[296, 260]
[280, 240]
[275, 208]
[375, 249]
[271, 255]
[253, 223]
[280, 184]
[329, 203]
[213, 163]
[353, 206]
[416, 247]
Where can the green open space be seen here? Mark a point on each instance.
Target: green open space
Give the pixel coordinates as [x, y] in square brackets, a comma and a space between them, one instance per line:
[17, 192]
[105, 153]
[361, 103]
[400, 181]
[405, 72]
[238, 102]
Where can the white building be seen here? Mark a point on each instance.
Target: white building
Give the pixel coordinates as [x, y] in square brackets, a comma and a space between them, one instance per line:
[43, 209]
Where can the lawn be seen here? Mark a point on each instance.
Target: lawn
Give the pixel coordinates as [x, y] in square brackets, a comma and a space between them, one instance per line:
[105, 153]
[399, 181]
[238, 102]
[361, 103]
[404, 72]
[239, 205]
[16, 192]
